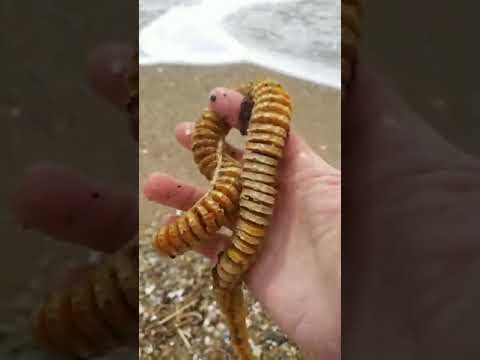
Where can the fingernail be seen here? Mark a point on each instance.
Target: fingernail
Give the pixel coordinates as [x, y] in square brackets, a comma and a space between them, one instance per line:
[189, 129]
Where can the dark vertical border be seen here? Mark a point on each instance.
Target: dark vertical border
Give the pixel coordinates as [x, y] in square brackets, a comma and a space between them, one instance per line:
[70, 160]
[411, 185]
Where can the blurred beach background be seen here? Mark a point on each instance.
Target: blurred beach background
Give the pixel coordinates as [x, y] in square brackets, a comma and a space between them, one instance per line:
[188, 47]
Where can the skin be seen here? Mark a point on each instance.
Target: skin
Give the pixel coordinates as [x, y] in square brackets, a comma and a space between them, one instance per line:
[410, 237]
[86, 216]
[227, 103]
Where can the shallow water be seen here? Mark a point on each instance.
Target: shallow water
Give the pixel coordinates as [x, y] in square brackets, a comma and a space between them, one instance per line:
[300, 38]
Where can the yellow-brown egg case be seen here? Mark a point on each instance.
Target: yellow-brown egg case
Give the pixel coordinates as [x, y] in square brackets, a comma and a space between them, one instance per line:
[242, 197]
[96, 315]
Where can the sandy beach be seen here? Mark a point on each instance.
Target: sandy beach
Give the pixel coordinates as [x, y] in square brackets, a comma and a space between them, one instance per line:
[169, 95]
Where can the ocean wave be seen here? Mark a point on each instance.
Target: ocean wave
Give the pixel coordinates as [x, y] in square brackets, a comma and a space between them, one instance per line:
[298, 37]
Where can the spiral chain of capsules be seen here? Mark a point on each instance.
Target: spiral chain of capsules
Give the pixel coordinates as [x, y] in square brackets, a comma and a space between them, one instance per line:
[219, 206]
[242, 196]
[101, 312]
[267, 133]
[98, 314]
[351, 18]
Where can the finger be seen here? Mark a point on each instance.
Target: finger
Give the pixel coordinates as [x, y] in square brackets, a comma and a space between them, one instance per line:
[171, 192]
[183, 133]
[227, 103]
[68, 207]
[107, 69]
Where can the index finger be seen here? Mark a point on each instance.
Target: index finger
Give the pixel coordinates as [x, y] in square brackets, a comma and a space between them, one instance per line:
[69, 207]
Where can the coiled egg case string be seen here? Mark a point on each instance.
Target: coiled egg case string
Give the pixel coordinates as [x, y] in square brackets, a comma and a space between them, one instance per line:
[352, 11]
[98, 314]
[268, 129]
[242, 195]
[218, 207]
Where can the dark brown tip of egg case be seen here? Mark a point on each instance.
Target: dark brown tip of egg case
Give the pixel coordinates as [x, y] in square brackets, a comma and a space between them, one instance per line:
[246, 108]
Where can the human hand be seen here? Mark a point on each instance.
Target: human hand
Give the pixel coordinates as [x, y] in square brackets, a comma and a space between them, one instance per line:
[297, 274]
[410, 245]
